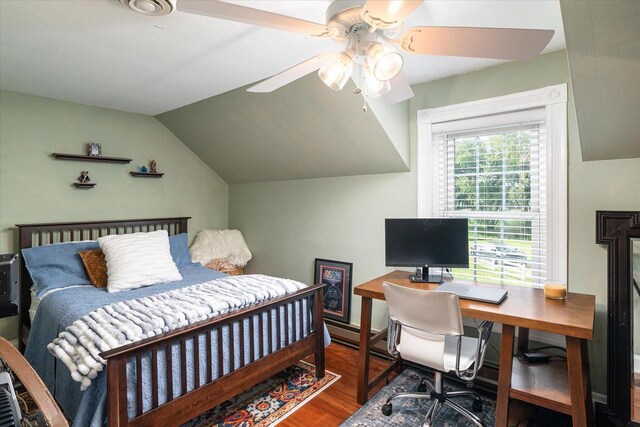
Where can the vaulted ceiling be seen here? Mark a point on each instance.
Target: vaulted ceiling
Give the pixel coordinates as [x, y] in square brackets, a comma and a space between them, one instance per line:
[191, 72]
[302, 130]
[603, 48]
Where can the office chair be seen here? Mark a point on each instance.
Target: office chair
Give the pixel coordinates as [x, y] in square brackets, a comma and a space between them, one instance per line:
[425, 327]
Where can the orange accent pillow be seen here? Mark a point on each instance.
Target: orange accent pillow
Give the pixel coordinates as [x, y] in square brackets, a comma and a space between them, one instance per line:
[96, 266]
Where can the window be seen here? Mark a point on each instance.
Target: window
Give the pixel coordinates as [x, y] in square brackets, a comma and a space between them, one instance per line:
[492, 177]
[495, 163]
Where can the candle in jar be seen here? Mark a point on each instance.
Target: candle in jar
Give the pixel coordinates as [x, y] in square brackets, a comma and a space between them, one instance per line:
[555, 290]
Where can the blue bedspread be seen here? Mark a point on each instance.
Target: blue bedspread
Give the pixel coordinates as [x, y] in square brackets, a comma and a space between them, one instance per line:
[58, 310]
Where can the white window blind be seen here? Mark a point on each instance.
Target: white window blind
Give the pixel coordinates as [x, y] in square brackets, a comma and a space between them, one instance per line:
[492, 170]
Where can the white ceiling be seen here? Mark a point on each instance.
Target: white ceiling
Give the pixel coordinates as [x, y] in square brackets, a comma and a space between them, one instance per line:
[98, 52]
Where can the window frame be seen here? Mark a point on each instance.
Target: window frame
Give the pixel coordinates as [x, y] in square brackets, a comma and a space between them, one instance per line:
[554, 100]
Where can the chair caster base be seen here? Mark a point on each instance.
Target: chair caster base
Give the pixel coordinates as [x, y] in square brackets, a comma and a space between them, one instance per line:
[422, 388]
[477, 405]
[387, 409]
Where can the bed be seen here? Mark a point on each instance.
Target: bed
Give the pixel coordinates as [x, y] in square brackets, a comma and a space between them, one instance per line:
[174, 376]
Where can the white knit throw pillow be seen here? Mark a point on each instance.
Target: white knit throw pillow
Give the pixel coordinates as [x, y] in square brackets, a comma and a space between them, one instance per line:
[138, 259]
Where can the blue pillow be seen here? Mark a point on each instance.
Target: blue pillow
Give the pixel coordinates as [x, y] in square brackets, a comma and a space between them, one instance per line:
[57, 266]
[179, 246]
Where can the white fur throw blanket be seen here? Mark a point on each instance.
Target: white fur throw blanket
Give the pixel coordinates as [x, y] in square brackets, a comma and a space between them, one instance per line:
[80, 344]
[220, 244]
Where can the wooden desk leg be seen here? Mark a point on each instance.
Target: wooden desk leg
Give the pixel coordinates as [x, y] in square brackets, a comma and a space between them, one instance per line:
[504, 375]
[587, 378]
[579, 385]
[523, 339]
[365, 347]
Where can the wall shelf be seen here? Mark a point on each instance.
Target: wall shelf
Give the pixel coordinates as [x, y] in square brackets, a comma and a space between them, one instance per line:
[84, 186]
[146, 174]
[81, 157]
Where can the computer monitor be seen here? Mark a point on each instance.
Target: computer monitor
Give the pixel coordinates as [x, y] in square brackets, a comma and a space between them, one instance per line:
[425, 243]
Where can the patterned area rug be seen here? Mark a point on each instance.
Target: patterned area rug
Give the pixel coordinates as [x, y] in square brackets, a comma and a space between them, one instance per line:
[269, 402]
[411, 412]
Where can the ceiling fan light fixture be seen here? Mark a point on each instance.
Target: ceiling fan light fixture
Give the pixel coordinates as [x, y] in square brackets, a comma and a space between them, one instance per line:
[336, 70]
[373, 86]
[385, 62]
[388, 14]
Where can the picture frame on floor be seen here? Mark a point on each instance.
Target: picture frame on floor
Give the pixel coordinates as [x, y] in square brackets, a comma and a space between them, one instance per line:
[336, 275]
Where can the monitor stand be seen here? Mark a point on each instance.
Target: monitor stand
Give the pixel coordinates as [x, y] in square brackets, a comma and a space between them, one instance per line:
[422, 276]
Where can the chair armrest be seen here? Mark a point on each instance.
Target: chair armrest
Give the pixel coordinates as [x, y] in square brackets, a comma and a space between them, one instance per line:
[34, 385]
[393, 334]
[484, 332]
[484, 326]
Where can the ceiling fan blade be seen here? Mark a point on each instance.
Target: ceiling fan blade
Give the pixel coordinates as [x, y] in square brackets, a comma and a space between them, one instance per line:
[495, 43]
[400, 90]
[387, 14]
[247, 15]
[289, 75]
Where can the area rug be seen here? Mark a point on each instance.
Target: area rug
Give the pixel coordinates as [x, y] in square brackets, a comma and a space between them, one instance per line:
[411, 412]
[269, 402]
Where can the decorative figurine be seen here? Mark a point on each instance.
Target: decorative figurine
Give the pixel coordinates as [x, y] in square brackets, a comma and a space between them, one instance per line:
[143, 169]
[84, 177]
[152, 167]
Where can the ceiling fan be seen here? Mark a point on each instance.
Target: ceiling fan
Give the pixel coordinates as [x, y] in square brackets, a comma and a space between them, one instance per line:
[371, 31]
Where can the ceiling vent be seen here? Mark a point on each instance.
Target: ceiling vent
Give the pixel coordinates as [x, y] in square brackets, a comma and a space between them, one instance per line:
[151, 7]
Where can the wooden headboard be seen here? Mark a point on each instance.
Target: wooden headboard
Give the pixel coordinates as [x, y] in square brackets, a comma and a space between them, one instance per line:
[32, 235]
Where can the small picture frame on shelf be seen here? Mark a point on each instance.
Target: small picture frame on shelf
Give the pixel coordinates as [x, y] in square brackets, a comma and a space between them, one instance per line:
[336, 275]
[94, 149]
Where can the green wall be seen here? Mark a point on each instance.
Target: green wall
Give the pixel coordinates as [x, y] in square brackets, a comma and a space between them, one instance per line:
[36, 188]
[289, 223]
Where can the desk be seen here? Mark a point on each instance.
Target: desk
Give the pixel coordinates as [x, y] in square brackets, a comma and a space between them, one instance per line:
[563, 387]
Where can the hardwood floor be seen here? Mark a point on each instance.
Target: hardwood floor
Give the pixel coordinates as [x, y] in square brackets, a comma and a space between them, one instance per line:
[338, 402]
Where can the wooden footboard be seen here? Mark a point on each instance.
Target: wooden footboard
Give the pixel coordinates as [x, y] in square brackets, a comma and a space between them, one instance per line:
[199, 394]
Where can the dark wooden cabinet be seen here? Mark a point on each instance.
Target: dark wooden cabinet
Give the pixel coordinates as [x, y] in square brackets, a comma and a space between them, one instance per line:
[616, 229]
